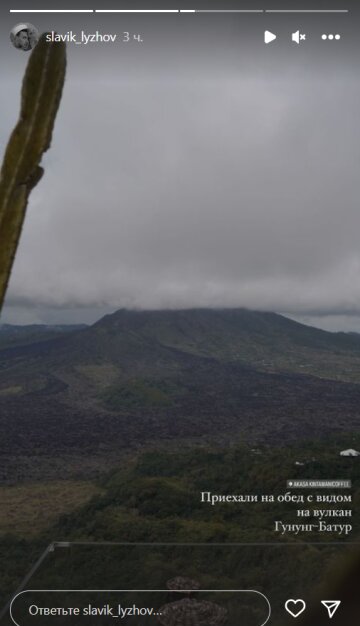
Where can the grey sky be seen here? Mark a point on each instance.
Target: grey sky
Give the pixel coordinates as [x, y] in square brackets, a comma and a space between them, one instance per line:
[217, 184]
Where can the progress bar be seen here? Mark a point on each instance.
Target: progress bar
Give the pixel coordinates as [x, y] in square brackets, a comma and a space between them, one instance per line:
[221, 11]
[225, 11]
[306, 10]
[51, 10]
[136, 10]
[177, 11]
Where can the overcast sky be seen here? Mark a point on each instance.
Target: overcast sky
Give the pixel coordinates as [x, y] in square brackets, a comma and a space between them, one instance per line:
[205, 182]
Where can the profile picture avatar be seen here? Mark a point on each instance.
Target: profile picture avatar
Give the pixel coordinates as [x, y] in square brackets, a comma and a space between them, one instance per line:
[24, 36]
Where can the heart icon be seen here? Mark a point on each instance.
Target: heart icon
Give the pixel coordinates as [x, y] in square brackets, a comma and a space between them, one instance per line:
[295, 607]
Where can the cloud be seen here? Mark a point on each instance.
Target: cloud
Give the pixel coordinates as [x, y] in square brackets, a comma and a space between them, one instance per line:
[233, 189]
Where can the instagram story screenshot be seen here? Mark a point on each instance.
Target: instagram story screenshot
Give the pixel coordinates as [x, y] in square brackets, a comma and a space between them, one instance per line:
[180, 313]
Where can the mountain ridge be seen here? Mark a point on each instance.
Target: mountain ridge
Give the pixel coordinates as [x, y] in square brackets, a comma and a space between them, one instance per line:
[139, 377]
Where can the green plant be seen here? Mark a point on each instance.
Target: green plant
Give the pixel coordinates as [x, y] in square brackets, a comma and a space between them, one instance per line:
[31, 137]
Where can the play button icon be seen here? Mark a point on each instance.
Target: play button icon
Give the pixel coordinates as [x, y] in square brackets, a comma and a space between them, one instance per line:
[269, 36]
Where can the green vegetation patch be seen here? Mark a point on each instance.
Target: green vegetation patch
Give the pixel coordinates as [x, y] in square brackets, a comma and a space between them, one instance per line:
[11, 391]
[138, 393]
[27, 510]
[160, 495]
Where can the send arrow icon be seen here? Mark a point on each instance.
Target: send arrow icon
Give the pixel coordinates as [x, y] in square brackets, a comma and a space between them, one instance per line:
[331, 606]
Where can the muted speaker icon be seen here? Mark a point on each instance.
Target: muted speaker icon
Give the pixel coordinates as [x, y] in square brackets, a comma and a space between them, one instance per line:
[298, 36]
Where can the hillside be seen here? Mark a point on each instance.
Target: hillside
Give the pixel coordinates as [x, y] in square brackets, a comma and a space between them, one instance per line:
[267, 341]
[138, 377]
[112, 431]
[12, 335]
[156, 497]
